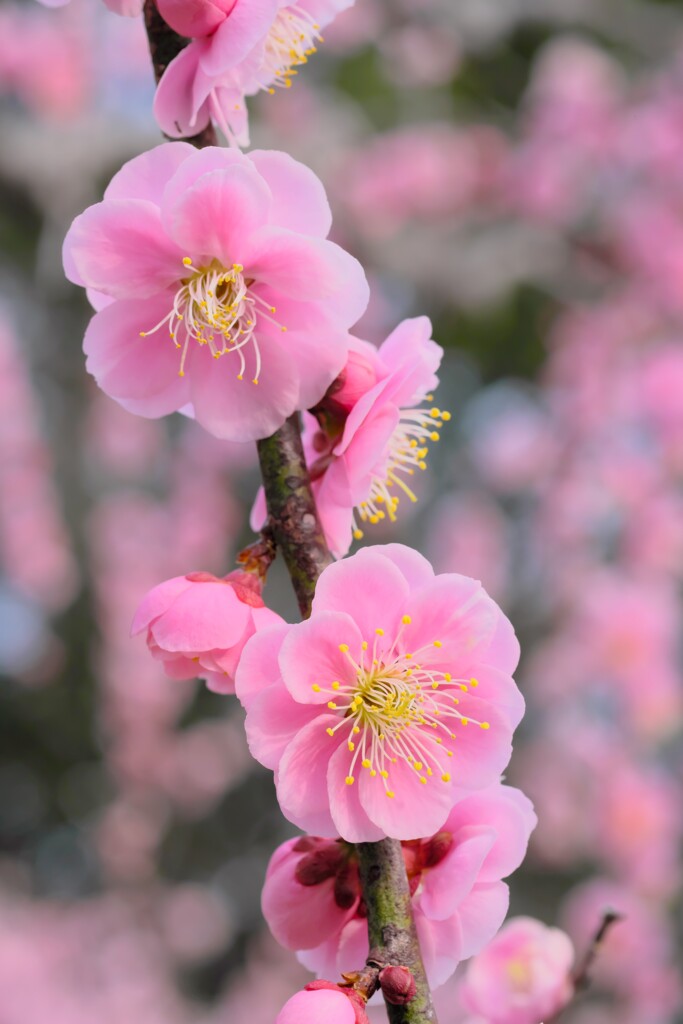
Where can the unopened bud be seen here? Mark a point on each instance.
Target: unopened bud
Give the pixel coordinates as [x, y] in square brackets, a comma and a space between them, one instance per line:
[247, 587]
[398, 985]
[357, 377]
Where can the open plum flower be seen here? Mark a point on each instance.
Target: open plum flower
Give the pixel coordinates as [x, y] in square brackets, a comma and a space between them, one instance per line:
[370, 435]
[197, 625]
[238, 48]
[313, 903]
[394, 698]
[522, 977]
[217, 289]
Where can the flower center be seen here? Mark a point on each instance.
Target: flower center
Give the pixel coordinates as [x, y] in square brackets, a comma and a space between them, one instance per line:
[214, 306]
[290, 42]
[397, 710]
[406, 452]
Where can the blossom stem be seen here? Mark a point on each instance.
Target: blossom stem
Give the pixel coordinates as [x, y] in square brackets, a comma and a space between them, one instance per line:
[164, 45]
[293, 520]
[391, 926]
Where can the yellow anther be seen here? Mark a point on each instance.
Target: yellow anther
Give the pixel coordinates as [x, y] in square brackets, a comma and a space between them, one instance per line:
[423, 780]
[330, 732]
[332, 705]
[474, 682]
[343, 648]
[365, 763]
[357, 534]
[463, 687]
[418, 766]
[391, 794]
[406, 620]
[336, 685]
[446, 777]
[447, 676]
[437, 643]
[484, 725]
[187, 260]
[439, 740]
[373, 773]
[434, 413]
[364, 645]
[450, 753]
[445, 416]
[349, 780]
[379, 632]
[464, 721]
[351, 746]
[384, 773]
[315, 688]
[435, 686]
[356, 729]
[434, 436]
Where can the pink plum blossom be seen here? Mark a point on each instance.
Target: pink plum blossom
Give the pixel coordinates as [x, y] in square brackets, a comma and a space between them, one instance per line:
[313, 903]
[198, 624]
[323, 1001]
[370, 434]
[394, 697]
[238, 48]
[522, 977]
[216, 288]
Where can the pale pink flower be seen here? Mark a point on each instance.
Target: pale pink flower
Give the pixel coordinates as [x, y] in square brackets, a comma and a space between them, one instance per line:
[239, 47]
[371, 434]
[127, 8]
[208, 268]
[394, 697]
[523, 976]
[313, 903]
[197, 625]
[323, 1001]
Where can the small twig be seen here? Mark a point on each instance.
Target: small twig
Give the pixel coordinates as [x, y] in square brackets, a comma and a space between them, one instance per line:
[164, 46]
[581, 977]
[293, 518]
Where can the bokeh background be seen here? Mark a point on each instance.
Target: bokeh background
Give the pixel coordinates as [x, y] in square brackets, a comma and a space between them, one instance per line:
[513, 168]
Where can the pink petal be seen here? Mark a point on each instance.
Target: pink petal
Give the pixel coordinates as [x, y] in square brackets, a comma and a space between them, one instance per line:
[299, 199]
[310, 656]
[140, 373]
[157, 601]
[310, 269]
[217, 216]
[300, 916]
[204, 617]
[273, 720]
[353, 945]
[441, 943]
[415, 811]
[258, 668]
[481, 915]
[447, 885]
[480, 755]
[201, 162]
[247, 25]
[320, 1005]
[510, 814]
[302, 777]
[120, 247]
[180, 102]
[414, 566]
[145, 176]
[348, 813]
[367, 586]
[239, 410]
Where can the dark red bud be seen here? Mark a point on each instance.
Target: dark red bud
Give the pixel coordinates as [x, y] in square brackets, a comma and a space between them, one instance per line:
[397, 984]
[319, 865]
[247, 587]
[414, 883]
[321, 442]
[435, 849]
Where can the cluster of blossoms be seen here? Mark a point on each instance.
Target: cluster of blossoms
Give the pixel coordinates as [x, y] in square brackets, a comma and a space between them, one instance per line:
[389, 712]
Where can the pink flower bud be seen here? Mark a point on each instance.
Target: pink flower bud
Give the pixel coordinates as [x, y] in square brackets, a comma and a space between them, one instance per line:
[197, 625]
[324, 1001]
[398, 985]
[194, 18]
[357, 377]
